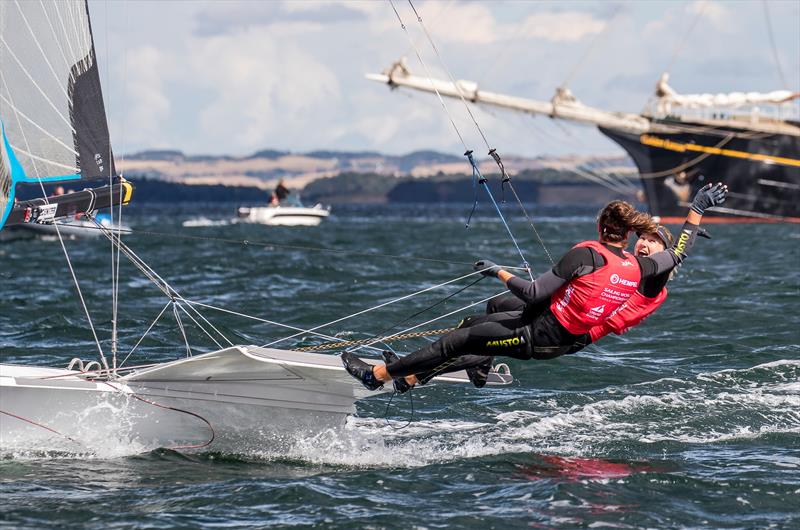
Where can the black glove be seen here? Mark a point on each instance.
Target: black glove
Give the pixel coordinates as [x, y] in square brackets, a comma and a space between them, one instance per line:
[487, 268]
[708, 196]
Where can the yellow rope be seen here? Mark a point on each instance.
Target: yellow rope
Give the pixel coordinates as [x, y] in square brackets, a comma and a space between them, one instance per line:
[388, 338]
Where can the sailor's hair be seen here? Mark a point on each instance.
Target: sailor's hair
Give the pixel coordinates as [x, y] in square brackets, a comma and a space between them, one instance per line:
[619, 218]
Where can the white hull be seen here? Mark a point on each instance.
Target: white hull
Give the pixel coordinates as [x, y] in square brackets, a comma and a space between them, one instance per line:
[245, 398]
[72, 229]
[284, 215]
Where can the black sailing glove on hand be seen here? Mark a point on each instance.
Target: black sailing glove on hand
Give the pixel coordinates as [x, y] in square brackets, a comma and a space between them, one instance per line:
[487, 268]
[708, 196]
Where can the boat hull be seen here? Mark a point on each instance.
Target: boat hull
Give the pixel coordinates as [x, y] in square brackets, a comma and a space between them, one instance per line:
[239, 400]
[284, 215]
[70, 229]
[762, 171]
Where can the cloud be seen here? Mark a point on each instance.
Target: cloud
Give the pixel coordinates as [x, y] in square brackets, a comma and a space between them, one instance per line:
[265, 91]
[565, 26]
[235, 76]
[147, 103]
[230, 18]
[712, 11]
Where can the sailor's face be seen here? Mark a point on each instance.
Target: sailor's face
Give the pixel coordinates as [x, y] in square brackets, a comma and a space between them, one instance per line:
[648, 244]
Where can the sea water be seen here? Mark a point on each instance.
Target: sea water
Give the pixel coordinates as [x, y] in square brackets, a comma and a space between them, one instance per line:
[691, 420]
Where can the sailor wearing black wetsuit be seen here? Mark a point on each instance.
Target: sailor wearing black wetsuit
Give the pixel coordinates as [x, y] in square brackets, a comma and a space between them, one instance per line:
[582, 290]
[516, 334]
[650, 294]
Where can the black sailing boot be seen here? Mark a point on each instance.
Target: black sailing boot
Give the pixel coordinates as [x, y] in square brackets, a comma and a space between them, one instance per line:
[361, 371]
[400, 384]
[479, 374]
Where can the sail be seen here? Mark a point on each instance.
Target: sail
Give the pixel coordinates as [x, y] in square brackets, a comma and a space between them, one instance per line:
[51, 105]
[668, 97]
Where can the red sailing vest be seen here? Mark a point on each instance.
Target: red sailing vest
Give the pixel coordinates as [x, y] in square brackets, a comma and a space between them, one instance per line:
[590, 300]
[630, 314]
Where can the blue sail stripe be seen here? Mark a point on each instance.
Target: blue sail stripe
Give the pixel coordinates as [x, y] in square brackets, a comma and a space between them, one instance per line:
[18, 175]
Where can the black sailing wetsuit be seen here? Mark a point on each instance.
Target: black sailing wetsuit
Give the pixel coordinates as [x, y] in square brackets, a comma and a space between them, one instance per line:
[534, 332]
[649, 287]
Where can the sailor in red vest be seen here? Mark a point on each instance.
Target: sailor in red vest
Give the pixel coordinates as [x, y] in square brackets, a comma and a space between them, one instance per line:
[583, 290]
[641, 304]
[645, 300]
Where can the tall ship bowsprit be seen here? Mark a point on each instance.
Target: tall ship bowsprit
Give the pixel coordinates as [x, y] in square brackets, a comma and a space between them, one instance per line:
[749, 140]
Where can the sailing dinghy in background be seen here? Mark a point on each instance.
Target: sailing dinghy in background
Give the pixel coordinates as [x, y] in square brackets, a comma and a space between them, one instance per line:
[55, 129]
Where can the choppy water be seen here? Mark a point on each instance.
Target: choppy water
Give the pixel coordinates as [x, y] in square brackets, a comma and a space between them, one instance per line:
[691, 421]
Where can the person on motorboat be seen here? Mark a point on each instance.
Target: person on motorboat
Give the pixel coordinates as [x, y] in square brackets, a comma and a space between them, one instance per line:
[280, 194]
[585, 288]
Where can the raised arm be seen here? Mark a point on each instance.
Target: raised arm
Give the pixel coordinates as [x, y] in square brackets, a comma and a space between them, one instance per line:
[664, 261]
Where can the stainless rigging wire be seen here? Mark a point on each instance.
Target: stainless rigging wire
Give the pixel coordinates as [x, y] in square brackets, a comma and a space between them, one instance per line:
[492, 152]
[682, 42]
[775, 54]
[58, 231]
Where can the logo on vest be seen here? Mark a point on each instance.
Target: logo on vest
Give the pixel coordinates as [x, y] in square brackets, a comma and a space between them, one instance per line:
[615, 279]
[626, 263]
[597, 312]
[514, 341]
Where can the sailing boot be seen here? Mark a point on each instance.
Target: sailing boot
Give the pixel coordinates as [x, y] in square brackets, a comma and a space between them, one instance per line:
[400, 384]
[361, 371]
[480, 373]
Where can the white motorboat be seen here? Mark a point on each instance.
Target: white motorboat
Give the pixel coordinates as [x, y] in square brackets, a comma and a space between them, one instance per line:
[284, 215]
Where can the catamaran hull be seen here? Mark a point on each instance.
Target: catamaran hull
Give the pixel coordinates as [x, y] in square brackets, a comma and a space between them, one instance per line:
[284, 215]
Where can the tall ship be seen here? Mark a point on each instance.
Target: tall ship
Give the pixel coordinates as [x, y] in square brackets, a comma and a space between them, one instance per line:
[751, 141]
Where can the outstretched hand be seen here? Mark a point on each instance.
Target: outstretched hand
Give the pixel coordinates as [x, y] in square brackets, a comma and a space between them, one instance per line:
[487, 268]
[708, 196]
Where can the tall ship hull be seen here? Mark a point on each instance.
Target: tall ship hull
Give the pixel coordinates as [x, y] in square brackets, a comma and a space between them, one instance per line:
[678, 145]
[762, 170]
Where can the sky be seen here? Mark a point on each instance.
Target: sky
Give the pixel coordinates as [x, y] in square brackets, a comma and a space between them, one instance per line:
[233, 77]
